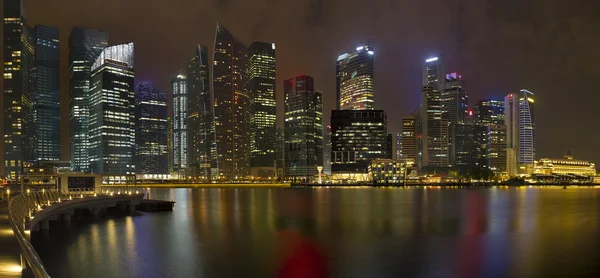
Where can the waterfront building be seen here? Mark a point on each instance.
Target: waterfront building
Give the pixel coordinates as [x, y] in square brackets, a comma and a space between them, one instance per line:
[520, 132]
[280, 152]
[565, 166]
[465, 147]
[84, 47]
[355, 78]
[151, 130]
[200, 136]
[180, 121]
[46, 94]
[18, 51]
[357, 137]
[263, 108]
[231, 107]
[111, 117]
[387, 171]
[489, 115]
[408, 140]
[303, 128]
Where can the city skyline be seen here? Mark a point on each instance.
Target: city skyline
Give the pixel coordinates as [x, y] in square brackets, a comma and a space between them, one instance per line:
[479, 85]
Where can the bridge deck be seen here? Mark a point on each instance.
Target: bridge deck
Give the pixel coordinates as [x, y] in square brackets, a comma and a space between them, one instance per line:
[10, 251]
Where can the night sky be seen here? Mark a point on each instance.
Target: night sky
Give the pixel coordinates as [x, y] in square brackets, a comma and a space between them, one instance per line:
[549, 47]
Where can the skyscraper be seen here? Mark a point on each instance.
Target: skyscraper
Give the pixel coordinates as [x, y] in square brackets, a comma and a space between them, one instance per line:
[433, 73]
[170, 150]
[180, 122]
[280, 153]
[489, 115]
[84, 47]
[355, 78]
[408, 138]
[151, 130]
[357, 138]
[520, 132]
[46, 94]
[112, 114]
[18, 116]
[455, 99]
[303, 128]
[199, 126]
[433, 132]
[231, 115]
[263, 108]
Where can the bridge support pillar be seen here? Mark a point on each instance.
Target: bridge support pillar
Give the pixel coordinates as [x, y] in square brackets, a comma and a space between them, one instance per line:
[131, 208]
[44, 224]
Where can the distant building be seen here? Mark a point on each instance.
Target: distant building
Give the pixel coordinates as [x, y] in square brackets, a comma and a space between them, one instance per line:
[170, 144]
[565, 166]
[389, 146]
[464, 151]
[280, 152]
[200, 136]
[489, 115]
[357, 138]
[387, 171]
[180, 123]
[455, 99]
[303, 128]
[46, 96]
[408, 138]
[327, 150]
[520, 132]
[489, 111]
[151, 130]
[231, 107]
[355, 78]
[263, 108]
[112, 113]
[84, 47]
[433, 73]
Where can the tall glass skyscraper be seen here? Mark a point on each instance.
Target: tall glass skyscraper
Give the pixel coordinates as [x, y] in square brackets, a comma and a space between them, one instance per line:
[355, 78]
[231, 107]
[151, 130]
[303, 127]
[489, 116]
[520, 132]
[112, 113]
[263, 109]
[199, 125]
[18, 66]
[180, 120]
[46, 95]
[85, 45]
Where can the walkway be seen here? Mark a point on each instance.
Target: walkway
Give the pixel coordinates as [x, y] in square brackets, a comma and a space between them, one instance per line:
[10, 252]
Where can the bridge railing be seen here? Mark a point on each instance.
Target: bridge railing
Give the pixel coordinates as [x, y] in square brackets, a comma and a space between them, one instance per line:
[23, 208]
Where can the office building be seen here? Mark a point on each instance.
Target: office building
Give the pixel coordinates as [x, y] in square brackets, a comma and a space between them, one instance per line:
[357, 137]
[170, 144]
[112, 114]
[151, 130]
[46, 94]
[520, 132]
[489, 111]
[433, 73]
[200, 137]
[263, 109]
[387, 171]
[408, 143]
[179, 88]
[85, 45]
[455, 99]
[231, 104]
[327, 150]
[18, 92]
[489, 115]
[433, 131]
[303, 128]
[355, 78]
[280, 152]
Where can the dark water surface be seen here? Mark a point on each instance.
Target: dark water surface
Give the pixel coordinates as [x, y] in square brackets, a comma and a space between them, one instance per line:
[493, 232]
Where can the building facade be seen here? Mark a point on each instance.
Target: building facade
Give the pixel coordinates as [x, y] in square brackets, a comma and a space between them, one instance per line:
[263, 108]
[200, 118]
[112, 113]
[46, 94]
[408, 139]
[433, 138]
[303, 128]
[231, 105]
[84, 47]
[565, 166]
[151, 130]
[520, 132]
[180, 121]
[280, 152]
[357, 137]
[355, 78]
[387, 171]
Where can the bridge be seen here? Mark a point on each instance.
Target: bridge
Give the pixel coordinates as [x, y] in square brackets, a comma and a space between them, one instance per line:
[32, 211]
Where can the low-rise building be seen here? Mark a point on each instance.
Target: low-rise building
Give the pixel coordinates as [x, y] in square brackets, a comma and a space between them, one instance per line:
[388, 171]
[564, 166]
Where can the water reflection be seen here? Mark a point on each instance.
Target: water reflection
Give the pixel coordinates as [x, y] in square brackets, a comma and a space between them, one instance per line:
[412, 232]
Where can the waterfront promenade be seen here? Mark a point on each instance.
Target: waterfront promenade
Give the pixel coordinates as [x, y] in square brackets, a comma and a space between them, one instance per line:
[10, 252]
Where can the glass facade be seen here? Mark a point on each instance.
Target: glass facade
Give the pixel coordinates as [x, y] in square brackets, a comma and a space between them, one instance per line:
[489, 115]
[355, 78]
[357, 137]
[180, 120]
[200, 135]
[111, 112]
[520, 132]
[231, 108]
[303, 128]
[408, 138]
[46, 95]
[263, 108]
[85, 45]
[151, 130]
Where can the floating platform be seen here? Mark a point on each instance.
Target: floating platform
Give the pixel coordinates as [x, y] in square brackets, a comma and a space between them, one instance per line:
[155, 205]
